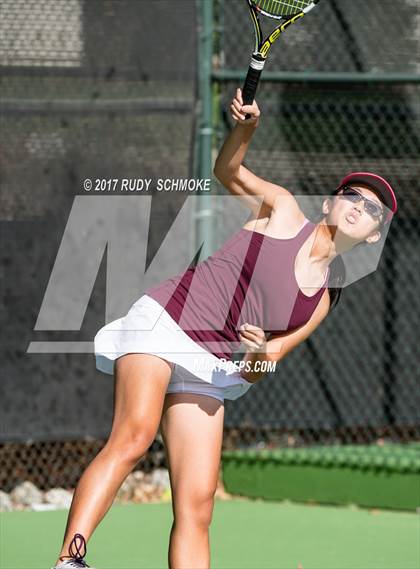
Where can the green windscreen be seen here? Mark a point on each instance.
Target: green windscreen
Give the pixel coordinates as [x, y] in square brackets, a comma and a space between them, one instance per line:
[281, 7]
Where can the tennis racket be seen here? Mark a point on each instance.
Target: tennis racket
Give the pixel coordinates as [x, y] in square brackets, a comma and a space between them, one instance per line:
[289, 12]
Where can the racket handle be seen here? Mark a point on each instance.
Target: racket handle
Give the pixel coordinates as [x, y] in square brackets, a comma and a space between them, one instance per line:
[252, 79]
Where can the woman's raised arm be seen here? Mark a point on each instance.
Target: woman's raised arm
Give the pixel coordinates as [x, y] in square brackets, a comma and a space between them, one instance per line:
[258, 194]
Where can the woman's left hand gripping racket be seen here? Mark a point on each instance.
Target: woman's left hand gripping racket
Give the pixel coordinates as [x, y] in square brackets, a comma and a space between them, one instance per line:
[289, 12]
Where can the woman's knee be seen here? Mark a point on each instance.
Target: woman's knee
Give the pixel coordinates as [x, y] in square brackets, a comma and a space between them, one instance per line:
[131, 443]
[195, 509]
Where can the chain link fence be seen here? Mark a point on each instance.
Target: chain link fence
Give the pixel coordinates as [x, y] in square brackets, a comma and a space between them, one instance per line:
[355, 380]
[86, 92]
[339, 36]
[80, 99]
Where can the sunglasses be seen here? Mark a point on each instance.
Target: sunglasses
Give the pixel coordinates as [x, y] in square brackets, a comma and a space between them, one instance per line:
[352, 195]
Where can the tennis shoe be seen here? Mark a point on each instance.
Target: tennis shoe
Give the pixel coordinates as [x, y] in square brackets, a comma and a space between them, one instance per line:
[75, 560]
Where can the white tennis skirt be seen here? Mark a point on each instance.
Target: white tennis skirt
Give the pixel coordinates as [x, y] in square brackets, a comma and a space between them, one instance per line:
[148, 328]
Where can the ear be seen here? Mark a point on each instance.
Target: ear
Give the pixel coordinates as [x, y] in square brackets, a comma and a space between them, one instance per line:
[374, 237]
[326, 205]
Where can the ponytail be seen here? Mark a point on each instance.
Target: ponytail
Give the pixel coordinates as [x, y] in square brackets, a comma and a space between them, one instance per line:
[336, 280]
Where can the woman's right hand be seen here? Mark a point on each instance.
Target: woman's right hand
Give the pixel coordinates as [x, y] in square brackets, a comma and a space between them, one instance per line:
[239, 111]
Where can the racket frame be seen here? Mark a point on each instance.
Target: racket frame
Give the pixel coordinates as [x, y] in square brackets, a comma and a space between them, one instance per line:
[262, 46]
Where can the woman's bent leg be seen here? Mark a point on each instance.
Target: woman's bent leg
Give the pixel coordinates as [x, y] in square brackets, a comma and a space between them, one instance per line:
[141, 381]
[192, 430]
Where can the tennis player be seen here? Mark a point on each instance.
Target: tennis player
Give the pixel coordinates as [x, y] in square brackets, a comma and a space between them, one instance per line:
[264, 291]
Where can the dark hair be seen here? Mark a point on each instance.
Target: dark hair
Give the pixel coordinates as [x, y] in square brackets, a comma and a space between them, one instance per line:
[336, 280]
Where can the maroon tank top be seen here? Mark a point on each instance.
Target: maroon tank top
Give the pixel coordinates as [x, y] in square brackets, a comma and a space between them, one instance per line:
[250, 278]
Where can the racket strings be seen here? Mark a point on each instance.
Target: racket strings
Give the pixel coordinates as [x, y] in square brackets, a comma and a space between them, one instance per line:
[282, 7]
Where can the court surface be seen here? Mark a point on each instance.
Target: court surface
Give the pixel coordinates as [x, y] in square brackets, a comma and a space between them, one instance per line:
[244, 534]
